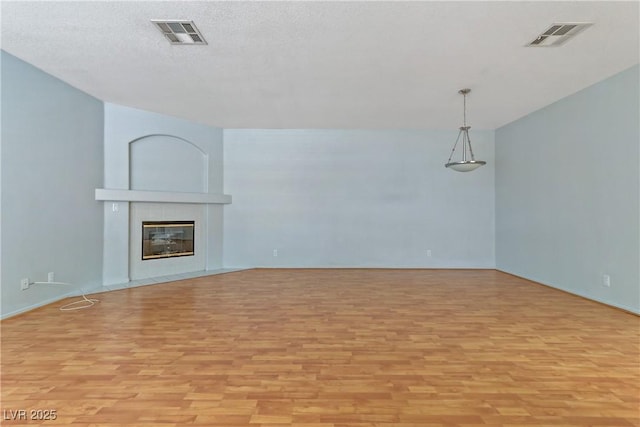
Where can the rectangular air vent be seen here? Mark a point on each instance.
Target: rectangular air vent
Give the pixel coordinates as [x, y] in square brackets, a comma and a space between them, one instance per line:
[558, 34]
[179, 32]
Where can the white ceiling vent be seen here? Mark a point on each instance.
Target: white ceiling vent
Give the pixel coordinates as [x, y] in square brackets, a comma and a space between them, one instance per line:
[179, 32]
[558, 34]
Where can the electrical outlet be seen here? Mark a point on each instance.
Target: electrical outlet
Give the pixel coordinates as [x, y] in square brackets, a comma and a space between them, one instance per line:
[51, 277]
[606, 280]
[429, 252]
[24, 284]
[275, 252]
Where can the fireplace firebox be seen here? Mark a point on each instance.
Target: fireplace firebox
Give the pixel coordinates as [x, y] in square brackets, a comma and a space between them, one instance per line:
[167, 239]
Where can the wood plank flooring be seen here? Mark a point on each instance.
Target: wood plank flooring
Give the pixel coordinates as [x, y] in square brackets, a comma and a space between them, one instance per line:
[327, 348]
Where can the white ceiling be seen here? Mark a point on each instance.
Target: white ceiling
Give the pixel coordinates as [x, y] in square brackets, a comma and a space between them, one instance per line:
[326, 64]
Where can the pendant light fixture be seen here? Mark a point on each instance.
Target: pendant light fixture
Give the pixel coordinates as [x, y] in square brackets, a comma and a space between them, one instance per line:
[468, 162]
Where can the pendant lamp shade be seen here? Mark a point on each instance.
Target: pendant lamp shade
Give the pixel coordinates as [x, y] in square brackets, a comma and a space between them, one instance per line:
[468, 161]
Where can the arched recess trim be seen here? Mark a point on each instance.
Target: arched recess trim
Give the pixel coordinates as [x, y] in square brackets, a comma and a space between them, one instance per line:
[160, 162]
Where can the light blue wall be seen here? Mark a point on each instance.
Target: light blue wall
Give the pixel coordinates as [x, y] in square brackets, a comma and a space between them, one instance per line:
[351, 198]
[52, 160]
[568, 191]
[161, 137]
[168, 163]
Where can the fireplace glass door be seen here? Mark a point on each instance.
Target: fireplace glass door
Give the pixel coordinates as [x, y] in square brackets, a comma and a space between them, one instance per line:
[167, 239]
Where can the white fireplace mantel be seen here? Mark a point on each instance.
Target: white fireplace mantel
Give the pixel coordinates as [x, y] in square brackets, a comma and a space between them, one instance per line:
[116, 195]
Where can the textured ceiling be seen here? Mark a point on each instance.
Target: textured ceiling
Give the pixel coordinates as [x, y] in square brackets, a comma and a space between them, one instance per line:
[326, 64]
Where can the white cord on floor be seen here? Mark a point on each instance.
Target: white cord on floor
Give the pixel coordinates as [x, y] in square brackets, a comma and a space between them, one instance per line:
[91, 302]
[88, 302]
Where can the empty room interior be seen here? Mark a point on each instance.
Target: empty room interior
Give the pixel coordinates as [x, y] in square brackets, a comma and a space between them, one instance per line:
[320, 213]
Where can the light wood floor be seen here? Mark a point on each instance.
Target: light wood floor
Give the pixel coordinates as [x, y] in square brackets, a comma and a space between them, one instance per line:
[328, 348]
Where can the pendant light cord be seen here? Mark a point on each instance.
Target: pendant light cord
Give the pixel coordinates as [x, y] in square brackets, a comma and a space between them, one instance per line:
[464, 110]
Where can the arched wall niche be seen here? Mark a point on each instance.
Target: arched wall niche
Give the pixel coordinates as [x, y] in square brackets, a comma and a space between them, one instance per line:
[167, 163]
